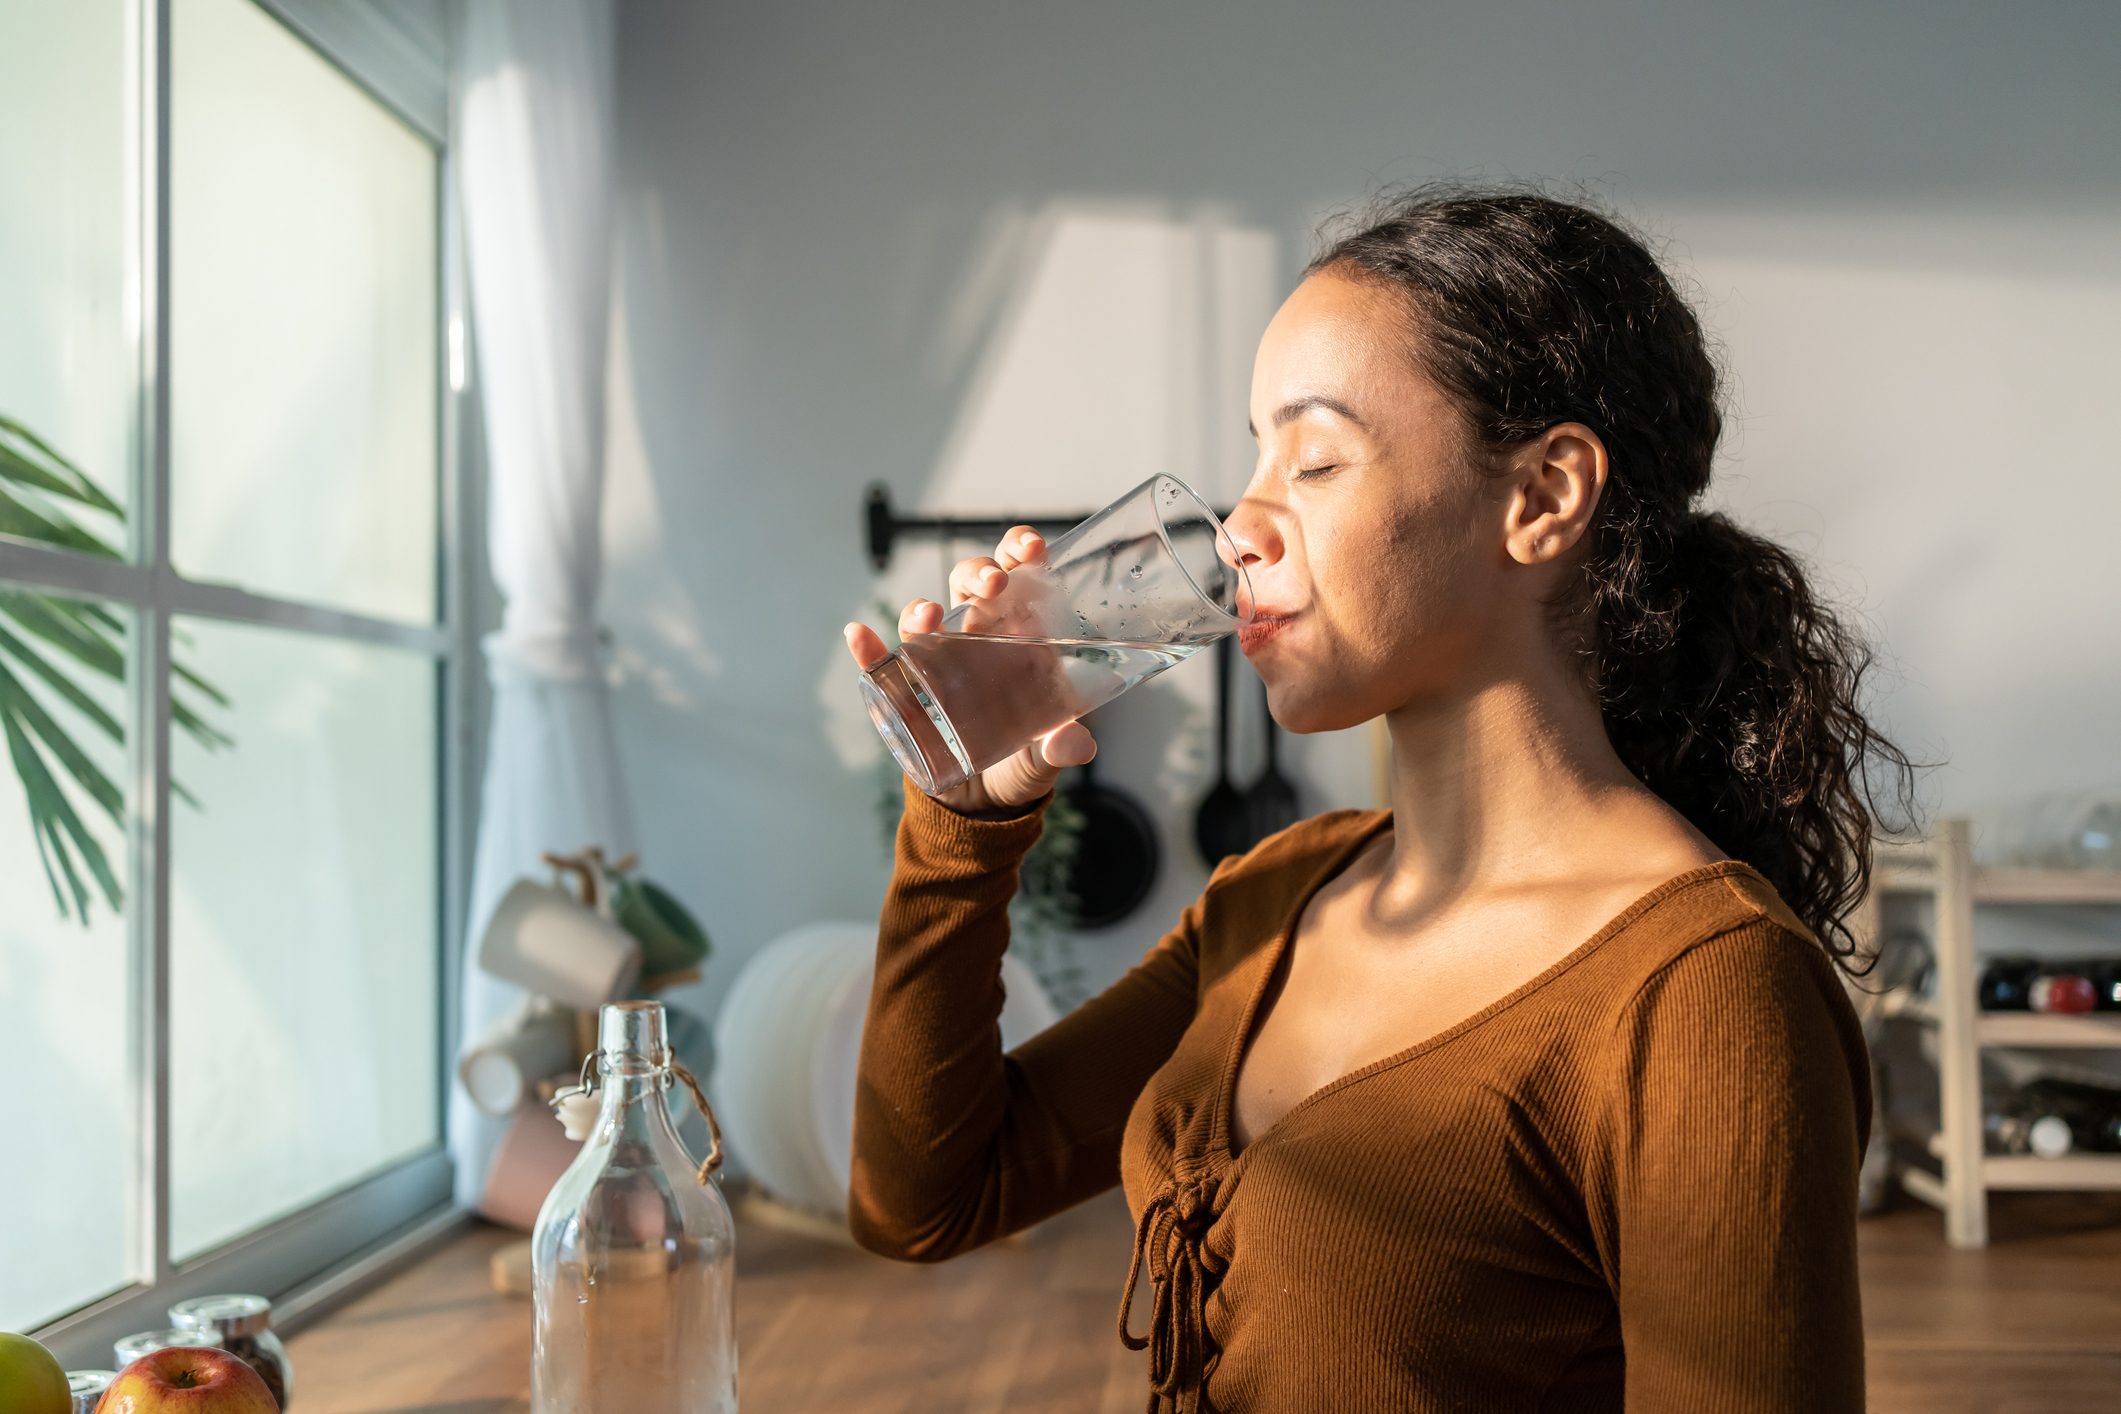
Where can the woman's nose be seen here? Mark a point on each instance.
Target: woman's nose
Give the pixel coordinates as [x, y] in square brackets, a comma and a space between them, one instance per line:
[1253, 541]
[1248, 544]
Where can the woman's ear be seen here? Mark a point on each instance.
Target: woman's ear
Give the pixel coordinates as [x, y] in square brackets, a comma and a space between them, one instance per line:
[1559, 476]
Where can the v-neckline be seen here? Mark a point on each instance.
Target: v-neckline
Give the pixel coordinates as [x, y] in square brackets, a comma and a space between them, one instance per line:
[1221, 1126]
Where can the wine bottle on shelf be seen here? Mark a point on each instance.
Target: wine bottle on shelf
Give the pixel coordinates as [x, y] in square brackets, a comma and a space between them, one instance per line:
[2105, 975]
[2017, 1122]
[2093, 1112]
[2058, 991]
[2045, 1135]
[2006, 983]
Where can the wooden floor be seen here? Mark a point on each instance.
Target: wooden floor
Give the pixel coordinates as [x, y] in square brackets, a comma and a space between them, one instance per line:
[2030, 1325]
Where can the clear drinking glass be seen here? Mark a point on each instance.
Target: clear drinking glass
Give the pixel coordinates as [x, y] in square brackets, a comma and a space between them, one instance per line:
[1148, 581]
[633, 1261]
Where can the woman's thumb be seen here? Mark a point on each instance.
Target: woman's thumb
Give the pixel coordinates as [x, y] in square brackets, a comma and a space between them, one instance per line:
[1069, 745]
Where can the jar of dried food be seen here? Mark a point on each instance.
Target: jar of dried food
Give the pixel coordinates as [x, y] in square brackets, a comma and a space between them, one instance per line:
[244, 1325]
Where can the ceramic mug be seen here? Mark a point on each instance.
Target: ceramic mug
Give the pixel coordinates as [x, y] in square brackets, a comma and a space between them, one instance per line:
[528, 1161]
[534, 1043]
[550, 945]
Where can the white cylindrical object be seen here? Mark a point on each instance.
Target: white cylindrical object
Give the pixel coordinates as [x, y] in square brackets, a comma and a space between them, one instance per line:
[1026, 1011]
[752, 1054]
[788, 1047]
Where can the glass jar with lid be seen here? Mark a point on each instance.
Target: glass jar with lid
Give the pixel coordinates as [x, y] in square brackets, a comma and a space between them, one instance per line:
[130, 1348]
[87, 1386]
[241, 1325]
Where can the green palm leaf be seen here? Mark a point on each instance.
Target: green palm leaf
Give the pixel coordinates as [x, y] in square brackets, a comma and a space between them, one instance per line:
[69, 691]
[30, 460]
[94, 637]
[56, 642]
[49, 811]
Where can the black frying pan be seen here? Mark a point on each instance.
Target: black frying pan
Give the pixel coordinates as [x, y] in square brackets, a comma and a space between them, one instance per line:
[1117, 855]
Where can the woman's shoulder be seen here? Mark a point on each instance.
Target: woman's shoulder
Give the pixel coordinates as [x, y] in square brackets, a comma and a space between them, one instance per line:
[1722, 933]
[1293, 855]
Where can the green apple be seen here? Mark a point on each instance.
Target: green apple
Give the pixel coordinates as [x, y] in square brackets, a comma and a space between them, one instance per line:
[31, 1381]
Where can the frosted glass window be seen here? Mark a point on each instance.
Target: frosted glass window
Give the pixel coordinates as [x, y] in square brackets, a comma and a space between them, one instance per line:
[303, 288]
[304, 951]
[66, 997]
[68, 263]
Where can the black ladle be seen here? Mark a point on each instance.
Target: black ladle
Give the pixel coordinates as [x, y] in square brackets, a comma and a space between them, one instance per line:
[1222, 826]
[1271, 803]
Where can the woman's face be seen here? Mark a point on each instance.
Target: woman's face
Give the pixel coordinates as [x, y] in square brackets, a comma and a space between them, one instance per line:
[1374, 545]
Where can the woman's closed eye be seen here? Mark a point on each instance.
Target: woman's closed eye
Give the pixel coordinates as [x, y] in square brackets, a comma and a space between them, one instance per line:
[1312, 472]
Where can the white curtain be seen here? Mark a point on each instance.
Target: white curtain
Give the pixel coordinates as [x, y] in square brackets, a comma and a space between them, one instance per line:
[534, 155]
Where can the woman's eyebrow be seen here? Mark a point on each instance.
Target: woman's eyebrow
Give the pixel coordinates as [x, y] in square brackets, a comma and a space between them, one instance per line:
[1297, 407]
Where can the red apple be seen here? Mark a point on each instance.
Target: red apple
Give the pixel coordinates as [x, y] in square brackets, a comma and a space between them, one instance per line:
[187, 1380]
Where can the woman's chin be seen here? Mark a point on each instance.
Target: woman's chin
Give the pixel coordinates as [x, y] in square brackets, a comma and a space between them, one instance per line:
[1306, 708]
[1293, 710]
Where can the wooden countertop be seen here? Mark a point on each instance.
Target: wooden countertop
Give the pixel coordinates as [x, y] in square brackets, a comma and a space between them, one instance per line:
[818, 1327]
[2031, 1323]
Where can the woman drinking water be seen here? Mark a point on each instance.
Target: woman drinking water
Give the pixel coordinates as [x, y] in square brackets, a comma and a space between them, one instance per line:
[1538, 1089]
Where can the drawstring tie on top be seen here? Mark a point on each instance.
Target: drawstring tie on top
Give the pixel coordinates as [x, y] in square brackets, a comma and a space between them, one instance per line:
[1169, 1236]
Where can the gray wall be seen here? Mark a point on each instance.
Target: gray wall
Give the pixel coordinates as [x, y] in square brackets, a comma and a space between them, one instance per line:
[1012, 257]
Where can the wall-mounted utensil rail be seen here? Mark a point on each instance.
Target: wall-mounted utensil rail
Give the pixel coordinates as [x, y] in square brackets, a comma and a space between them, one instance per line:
[882, 526]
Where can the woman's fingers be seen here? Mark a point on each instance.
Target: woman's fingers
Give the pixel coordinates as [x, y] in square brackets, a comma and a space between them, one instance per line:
[920, 616]
[868, 649]
[980, 577]
[1021, 546]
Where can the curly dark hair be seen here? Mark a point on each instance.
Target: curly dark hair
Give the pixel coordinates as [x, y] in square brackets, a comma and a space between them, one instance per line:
[1727, 685]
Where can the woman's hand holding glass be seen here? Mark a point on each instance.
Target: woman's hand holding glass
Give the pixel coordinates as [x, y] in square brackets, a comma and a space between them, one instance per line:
[983, 582]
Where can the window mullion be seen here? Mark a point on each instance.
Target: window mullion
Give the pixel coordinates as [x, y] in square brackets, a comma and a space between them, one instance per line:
[151, 678]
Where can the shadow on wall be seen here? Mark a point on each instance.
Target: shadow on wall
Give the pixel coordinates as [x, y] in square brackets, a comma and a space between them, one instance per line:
[1091, 346]
[1084, 347]
[1039, 361]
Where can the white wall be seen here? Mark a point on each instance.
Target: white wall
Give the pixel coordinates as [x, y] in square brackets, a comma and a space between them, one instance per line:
[1014, 258]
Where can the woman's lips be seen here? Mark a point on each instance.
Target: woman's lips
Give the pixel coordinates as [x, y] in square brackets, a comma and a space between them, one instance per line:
[1259, 628]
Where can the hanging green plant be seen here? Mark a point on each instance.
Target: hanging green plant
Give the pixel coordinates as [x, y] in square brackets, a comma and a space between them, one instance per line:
[63, 643]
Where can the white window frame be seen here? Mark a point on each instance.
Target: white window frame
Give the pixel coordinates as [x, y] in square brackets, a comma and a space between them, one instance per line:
[312, 1258]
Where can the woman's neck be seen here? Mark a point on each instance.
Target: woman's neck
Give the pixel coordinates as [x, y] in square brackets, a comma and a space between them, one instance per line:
[1503, 784]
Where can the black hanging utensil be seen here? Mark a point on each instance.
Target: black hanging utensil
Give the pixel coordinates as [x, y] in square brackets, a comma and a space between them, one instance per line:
[1271, 803]
[1116, 856]
[1222, 826]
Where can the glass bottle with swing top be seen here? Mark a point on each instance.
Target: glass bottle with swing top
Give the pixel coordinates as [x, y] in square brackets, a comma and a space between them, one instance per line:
[633, 1262]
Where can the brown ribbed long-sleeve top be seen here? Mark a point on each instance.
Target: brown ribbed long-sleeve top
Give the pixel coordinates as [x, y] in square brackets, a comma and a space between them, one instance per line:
[1628, 1184]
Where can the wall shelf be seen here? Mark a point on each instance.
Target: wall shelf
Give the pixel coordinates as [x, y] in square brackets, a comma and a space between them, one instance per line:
[2074, 1171]
[2012, 885]
[2098, 1030]
[1943, 868]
